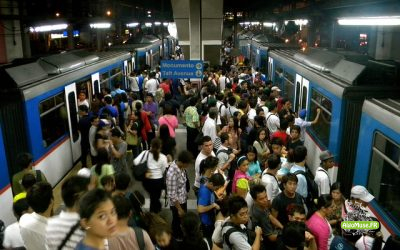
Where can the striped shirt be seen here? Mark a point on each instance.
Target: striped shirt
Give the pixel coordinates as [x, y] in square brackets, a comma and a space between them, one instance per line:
[57, 229]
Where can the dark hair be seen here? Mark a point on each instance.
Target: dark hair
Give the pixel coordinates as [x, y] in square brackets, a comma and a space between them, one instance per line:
[236, 203]
[108, 99]
[138, 107]
[251, 149]
[284, 124]
[295, 127]
[289, 177]
[164, 132]
[255, 190]
[293, 234]
[72, 188]
[224, 137]
[273, 161]
[392, 243]
[240, 160]
[337, 186]
[122, 181]
[102, 158]
[299, 153]
[295, 208]
[259, 119]
[259, 132]
[122, 206]
[193, 101]
[106, 179]
[157, 229]
[28, 180]
[324, 201]
[185, 156]
[205, 138]
[193, 236]
[117, 85]
[208, 163]
[83, 108]
[116, 132]
[168, 110]
[23, 160]
[155, 148]
[276, 141]
[217, 180]
[20, 207]
[91, 201]
[40, 196]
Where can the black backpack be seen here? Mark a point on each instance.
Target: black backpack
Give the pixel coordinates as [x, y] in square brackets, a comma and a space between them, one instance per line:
[312, 189]
[251, 235]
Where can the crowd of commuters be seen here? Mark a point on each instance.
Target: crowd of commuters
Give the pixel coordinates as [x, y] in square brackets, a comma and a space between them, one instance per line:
[253, 187]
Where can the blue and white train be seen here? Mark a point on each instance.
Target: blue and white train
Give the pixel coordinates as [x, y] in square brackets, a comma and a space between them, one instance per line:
[337, 83]
[377, 165]
[38, 106]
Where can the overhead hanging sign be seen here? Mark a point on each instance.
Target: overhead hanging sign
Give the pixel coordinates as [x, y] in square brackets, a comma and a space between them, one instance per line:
[181, 69]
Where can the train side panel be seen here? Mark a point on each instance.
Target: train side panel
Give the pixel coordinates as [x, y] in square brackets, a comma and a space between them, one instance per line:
[5, 187]
[377, 165]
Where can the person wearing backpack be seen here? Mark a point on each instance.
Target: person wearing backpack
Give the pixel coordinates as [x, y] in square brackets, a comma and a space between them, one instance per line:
[269, 179]
[234, 232]
[321, 176]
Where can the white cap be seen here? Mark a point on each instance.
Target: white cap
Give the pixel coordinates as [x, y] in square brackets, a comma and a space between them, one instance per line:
[360, 192]
[84, 172]
[275, 88]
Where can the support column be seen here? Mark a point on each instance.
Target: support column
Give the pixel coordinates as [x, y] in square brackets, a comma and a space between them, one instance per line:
[70, 34]
[383, 43]
[195, 29]
[212, 24]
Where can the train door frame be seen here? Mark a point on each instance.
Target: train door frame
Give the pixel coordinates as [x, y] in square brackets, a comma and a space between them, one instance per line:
[126, 74]
[148, 57]
[270, 67]
[96, 77]
[75, 144]
[301, 90]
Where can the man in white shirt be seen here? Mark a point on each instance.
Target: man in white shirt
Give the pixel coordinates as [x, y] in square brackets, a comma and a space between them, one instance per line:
[321, 176]
[59, 226]
[225, 155]
[268, 177]
[210, 125]
[272, 118]
[33, 226]
[223, 80]
[12, 234]
[206, 150]
[303, 124]
[300, 155]
[151, 84]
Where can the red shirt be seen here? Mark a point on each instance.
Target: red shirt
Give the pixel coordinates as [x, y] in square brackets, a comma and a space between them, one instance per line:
[165, 87]
[281, 134]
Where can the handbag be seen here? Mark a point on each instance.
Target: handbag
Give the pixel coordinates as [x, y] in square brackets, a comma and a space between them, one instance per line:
[139, 170]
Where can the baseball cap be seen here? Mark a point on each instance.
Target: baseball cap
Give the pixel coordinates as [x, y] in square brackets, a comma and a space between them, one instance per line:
[325, 155]
[103, 123]
[360, 192]
[275, 88]
[84, 172]
[302, 113]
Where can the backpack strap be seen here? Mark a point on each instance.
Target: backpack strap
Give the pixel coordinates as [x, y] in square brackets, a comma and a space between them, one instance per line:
[69, 234]
[222, 151]
[38, 175]
[234, 228]
[274, 178]
[139, 237]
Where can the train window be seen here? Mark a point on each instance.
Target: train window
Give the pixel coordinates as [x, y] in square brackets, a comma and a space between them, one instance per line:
[116, 76]
[321, 129]
[289, 85]
[104, 80]
[297, 101]
[53, 119]
[384, 175]
[304, 98]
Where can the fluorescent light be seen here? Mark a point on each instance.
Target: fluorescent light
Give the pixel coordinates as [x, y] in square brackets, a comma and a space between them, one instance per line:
[246, 23]
[157, 23]
[46, 28]
[267, 24]
[132, 25]
[371, 21]
[148, 24]
[301, 21]
[255, 23]
[165, 24]
[100, 25]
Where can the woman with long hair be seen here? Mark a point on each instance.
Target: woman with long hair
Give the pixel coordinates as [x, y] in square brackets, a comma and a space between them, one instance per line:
[156, 163]
[261, 144]
[233, 129]
[169, 119]
[168, 143]
[318, 223]
[98, 219]
[338, 205]
[192, 234]
[102, 168]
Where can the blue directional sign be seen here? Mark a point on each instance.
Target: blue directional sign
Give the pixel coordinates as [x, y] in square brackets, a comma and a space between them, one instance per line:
[181, 69]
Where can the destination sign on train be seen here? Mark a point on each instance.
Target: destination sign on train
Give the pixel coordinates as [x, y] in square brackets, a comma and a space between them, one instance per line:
[181, 69]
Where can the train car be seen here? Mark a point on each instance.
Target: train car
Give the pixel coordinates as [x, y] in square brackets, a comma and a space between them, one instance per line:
[337, 83]
[378, 160]
[38, 111]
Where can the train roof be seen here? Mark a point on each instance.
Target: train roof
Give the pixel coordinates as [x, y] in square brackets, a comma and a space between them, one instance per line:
[56, 70]
[351, 68]
[384, 110]
[276, 45]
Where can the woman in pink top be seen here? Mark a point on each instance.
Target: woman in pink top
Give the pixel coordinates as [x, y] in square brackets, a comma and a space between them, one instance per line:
[318, 223]
[240, 184]
[169, 119]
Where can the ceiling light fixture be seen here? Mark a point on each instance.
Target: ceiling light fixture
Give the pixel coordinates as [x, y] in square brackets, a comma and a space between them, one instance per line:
[370, 21]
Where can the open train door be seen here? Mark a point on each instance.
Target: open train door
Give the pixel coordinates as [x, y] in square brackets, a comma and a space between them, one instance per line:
[96, 83]
[270, 68]
[72, 111]
[301, 94]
